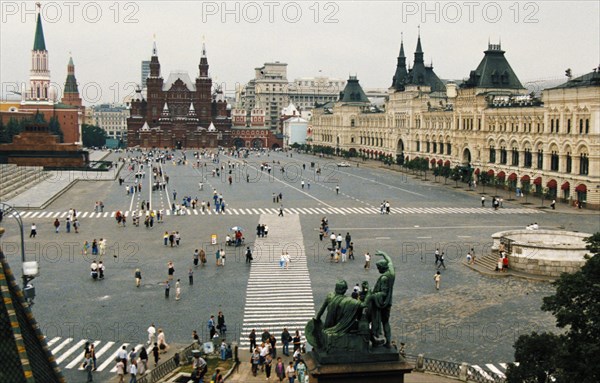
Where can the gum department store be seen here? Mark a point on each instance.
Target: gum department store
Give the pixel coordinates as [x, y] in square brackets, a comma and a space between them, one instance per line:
[489, 123]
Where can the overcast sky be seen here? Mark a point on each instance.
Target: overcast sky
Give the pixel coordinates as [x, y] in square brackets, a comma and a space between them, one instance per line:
[108, 39]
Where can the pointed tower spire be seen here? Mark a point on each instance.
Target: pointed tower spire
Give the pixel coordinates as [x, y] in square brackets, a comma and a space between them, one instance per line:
[39, 76]
[402, 45]
[400, 75]
[39, 44]
[71, 92]
[203, 67]
[154, 63]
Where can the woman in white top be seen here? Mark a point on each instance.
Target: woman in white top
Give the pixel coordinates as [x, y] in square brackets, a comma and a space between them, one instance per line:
[290, 372]
[162, 343]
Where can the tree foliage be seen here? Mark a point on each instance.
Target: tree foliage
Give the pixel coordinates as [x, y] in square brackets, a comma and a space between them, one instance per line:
[93, 136]
[576, 306]
[538, 355]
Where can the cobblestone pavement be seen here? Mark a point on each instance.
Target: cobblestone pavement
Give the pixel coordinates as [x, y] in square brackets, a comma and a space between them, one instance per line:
[472, 318]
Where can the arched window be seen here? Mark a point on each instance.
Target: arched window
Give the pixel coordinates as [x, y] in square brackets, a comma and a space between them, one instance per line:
[554, 161]
[515, 157]
[528, 158]
[584, 165]
[492, 154]
[540, 159]
[569, 163]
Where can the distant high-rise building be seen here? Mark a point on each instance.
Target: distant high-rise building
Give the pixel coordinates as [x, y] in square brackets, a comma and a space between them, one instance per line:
[145, 72]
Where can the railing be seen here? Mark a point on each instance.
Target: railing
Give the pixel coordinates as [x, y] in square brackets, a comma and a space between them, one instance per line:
[168, 366]
[460, 371]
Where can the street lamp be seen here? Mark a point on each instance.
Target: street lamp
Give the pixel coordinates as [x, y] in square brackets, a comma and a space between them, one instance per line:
[31, 268]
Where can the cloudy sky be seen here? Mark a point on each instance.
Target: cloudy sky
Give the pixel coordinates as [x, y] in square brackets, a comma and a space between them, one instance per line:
[108, 39]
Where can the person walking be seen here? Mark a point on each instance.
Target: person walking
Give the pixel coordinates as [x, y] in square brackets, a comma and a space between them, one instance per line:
[33, 231]
[442, 261]
[281, 211]
[89, 366]
[162, 343]
[167, 288]
[337, 189]
[280, 370]
[177, 290]
[367, 261]
[120, 370]
[482, 201]
[290, 372]
[437, 278]
[222, 254]
[56, 225]
[151, 334]
[191, 276]
[252, 338]
[248, 255]
[155, 353]
[553, 204]
[286, 338]
[170, 270]
[138, 277]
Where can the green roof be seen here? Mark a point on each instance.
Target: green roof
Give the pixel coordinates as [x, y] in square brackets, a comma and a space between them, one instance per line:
[588, 79]
[353, 92]
[494, 72]
[71, 84]
[39, 44]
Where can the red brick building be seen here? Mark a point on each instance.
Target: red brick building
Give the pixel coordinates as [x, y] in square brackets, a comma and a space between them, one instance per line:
[38, 97]
[179, 113]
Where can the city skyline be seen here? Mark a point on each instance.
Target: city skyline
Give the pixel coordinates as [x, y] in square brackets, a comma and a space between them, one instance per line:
[321, 38]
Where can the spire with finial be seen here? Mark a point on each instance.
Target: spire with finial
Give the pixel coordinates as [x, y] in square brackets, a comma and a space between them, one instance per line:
[203, 67]
[400, 75]
[154, 49]
[39, 44]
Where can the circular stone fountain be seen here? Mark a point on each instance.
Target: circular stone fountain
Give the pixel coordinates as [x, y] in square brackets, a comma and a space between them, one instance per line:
[543, 252]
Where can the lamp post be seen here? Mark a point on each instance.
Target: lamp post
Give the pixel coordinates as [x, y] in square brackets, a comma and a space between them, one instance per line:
[30, 269]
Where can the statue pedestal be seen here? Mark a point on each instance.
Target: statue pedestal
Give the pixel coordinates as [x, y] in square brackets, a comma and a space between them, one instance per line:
[380, 372]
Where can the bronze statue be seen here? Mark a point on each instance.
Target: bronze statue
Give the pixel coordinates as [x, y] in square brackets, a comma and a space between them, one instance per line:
[351, 331]
[379, 301]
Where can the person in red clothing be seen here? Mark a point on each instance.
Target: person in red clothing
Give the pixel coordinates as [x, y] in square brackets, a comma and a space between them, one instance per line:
[505, 263]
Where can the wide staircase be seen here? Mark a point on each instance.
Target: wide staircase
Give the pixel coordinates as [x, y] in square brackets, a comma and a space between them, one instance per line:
[16, 179]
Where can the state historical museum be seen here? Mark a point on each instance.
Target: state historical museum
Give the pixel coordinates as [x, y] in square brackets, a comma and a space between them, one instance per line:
[179, 113]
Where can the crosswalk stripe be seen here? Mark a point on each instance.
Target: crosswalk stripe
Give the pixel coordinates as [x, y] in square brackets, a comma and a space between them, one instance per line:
[68, 353]
[495, 370]
[54, 340]
[101, 352]
[299, 211]
[111, 359]
[482, 372]
[62, 345]
[77, 360]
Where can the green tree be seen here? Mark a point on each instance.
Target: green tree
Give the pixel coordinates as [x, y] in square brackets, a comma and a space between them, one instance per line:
[525, 188]
[456, 174]
[576, 306]
[446, 172]
[54, 128]
[93, 135]
[538, 355]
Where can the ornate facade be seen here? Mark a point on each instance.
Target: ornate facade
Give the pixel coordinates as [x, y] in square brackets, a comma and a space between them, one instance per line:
[179, 113]
[488, 124]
